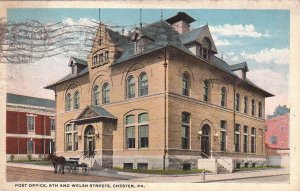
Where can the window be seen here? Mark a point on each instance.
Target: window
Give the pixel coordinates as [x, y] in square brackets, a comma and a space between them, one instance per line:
[185, 131]
[237, 102]
[143, 130]
[130, 132]
[30, 123]
[106, 56]
[71, 137]
[259, 109]
[245, 139]
[138, 46]
[253, 140]
[253, 107]
[76, 100]
[273, 140]
[52, 124]
[143, 84]
[68, 102]
[105, 93]
[245, 104]
[30, 147]
[223, 97]
[73, 69]
[206, 47]
[237, 137]
[128, 165]
[223, 135]
[130, 87]
[95, 59]
[142, 166]
[205, 91]
[185, 84]
[51, 146]
[199, 51]
[96, 92]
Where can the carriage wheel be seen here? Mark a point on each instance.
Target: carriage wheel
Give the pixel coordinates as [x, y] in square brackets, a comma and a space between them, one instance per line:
[69, 168]
[75, 169]
[85, 170]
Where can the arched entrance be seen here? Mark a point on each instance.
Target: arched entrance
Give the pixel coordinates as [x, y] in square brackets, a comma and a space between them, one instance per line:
[205, 141]
[89, 141]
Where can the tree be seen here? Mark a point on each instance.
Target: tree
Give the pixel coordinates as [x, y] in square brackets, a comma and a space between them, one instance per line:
[279, 110]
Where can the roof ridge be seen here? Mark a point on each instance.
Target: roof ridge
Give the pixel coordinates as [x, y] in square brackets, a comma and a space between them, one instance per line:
[14, 94]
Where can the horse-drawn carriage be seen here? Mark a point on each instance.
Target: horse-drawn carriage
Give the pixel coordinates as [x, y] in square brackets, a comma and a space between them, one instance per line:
[71, 165]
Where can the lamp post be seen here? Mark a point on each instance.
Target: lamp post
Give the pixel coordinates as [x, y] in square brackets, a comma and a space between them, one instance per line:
[199, 137]
[216, 135]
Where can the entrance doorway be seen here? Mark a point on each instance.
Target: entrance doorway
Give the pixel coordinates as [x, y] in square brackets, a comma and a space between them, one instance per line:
[205, 141]
[89, 141]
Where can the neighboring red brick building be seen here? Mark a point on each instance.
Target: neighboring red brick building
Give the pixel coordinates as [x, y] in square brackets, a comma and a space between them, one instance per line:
[30, 126]
[277, 134]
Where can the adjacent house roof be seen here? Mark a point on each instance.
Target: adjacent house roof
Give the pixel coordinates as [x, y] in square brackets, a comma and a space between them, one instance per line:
[30, 101]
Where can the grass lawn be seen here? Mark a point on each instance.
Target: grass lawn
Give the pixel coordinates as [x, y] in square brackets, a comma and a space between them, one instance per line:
[257, 168]
[35, 162]
[163, 172]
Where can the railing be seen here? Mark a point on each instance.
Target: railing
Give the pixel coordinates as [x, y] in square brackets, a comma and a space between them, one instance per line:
[212, 152]
[204, 154]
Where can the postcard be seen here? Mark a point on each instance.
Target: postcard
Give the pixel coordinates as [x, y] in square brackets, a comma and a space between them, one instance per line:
[158, 95]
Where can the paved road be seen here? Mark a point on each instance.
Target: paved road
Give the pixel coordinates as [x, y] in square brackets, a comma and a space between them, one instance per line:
[281, 179]
[16, 174]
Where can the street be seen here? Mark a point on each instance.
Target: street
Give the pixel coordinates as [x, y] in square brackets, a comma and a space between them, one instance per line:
[281, 179]
[17, 174]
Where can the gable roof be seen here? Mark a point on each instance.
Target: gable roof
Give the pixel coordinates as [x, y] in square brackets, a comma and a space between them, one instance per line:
[79, 61]
[29, 101]
[92, 113]
[181, 16]
[197, 35]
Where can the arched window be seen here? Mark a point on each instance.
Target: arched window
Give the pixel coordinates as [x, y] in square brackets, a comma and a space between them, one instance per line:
[71, 137]
[105, 93]
[96, 92]
[143, 84]
[245, 139]
[253, 140]
[259, 109]
[185, 132]
[223, 97]
[130, 87]
[130, 131]
[143, 126]
[68, 102]
[253, 107]
[76, 100]
[245, 104]
[185, 84]
[223, 135]
[205, 91]
[237, 129]
[237, 102]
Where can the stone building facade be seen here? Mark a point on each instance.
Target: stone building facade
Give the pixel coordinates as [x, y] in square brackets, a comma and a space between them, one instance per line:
[158, 98]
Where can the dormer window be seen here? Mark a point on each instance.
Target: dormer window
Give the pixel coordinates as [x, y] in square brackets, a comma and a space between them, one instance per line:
[204, 50]
[101, 58]
[138, 46]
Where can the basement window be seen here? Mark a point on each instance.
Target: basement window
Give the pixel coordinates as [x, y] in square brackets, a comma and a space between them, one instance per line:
[128, 165]
[142, 166]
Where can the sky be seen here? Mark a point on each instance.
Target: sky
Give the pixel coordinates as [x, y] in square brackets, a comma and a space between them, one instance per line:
[259, 37]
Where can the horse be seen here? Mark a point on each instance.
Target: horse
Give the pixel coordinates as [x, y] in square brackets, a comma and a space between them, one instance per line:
[57, 161]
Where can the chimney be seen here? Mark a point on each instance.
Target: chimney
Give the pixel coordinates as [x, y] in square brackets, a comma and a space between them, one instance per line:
[181, 22]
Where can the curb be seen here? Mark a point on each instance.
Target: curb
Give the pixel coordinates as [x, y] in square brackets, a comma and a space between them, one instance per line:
[208, 181]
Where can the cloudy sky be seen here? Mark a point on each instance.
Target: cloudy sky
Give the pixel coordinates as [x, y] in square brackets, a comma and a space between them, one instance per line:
[259, 37]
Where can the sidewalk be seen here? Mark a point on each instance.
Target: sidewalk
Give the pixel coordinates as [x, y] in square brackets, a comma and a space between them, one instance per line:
[187, 178]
